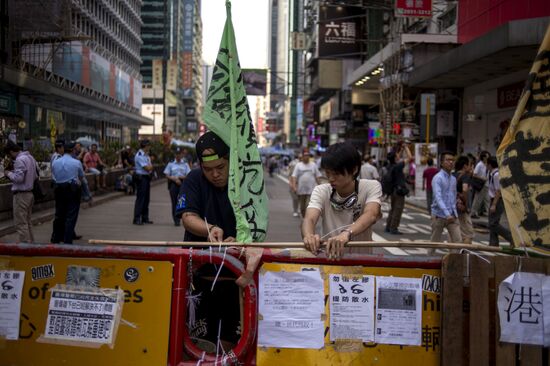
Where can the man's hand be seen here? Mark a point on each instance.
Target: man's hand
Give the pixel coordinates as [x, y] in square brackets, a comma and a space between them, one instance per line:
[492, 209]
[177, 181]
[229, 239]
[216, 234]
[450, 219]
[312, 243]
[335, 245]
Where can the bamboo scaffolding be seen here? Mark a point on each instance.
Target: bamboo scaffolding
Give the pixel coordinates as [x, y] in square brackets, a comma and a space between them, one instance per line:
[300, 245]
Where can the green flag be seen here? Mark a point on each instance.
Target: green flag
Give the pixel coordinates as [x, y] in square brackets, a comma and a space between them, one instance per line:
[227, 114]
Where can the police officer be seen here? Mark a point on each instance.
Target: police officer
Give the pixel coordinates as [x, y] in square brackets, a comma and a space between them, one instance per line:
[68, 175]
[144, 168]
[175, 172]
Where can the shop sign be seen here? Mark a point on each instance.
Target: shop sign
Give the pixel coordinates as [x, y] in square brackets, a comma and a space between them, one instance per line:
[508, 95]
[7, 103]
[325, 111]
[340, 31]
[413, 8]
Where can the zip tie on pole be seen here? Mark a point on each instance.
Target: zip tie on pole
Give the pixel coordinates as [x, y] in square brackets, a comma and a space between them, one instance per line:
[201, 359]
[474, 253]
[219, 270]
[218, 343]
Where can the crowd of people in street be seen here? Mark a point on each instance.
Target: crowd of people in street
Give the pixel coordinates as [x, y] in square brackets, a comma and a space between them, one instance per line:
[337, 189]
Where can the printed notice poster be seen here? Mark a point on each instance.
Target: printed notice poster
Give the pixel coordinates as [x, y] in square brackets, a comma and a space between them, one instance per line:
[521, 309]
[398, 311]
[291, 308]
[11, 286]
[352, 307]
[83, 316]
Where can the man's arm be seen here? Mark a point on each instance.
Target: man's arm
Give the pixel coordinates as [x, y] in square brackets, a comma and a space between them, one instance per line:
[312, 241]
[85, 161]
[18, 173]
[196, 225]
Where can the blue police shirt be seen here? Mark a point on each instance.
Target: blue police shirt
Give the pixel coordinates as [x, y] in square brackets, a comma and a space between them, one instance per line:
[67, 169]
[142, 160]
[175, 169]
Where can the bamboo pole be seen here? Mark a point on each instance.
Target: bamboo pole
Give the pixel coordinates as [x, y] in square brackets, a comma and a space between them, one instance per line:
[300, 245]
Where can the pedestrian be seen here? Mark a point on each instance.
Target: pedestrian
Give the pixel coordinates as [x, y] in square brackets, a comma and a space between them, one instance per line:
[68, 175]
[444, 212]
[207, 215]
[22, 177]
[175, 172]
[398, 187]
[79, 152]
[480, 184]
[59, 150]
[497, 205]
[427, 177]
[305, 177]
[463, 174]
[94, 165]
[203, 203]
[126, 157]
[144, 170]
[293, 195]
[348, 206]
[369, 171]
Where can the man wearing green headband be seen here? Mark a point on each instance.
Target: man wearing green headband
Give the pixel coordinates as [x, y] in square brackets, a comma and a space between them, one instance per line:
[203, 202]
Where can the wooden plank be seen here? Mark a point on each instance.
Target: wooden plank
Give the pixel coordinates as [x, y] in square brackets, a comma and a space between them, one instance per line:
[531, 355]
[505, 353]
[452, 312]
[480, 271]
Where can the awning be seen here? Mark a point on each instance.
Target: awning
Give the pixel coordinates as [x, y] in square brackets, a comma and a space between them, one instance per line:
[509, 48]
[44, 94]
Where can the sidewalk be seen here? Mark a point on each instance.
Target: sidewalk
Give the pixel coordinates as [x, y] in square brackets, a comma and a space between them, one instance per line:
[112, 214]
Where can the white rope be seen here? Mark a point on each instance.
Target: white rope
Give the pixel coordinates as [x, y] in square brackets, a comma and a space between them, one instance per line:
[219, 270]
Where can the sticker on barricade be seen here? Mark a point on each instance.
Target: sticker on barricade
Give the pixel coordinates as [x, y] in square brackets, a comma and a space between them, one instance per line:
[84, 317]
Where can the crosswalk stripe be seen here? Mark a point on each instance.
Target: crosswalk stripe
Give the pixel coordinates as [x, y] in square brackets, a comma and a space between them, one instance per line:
[391, 250]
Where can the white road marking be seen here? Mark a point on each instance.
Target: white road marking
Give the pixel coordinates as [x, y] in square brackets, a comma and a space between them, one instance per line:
[391, 250]
[283, 179]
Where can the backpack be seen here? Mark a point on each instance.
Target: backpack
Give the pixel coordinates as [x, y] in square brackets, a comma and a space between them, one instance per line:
[387, 181]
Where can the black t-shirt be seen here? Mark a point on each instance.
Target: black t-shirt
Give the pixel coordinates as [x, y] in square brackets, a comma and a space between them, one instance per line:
[198, 195]
[398, 177]
[462, 179]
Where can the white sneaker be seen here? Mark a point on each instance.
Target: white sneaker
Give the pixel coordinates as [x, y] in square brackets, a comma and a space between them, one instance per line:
[295, 214]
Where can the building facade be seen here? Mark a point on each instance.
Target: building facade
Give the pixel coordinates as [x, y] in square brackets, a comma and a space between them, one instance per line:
[71, 70]
[172, 66]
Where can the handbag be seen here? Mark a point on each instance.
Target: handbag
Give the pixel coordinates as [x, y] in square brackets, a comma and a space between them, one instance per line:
[37, 190]
[402, 190]
[477, 183]
[460, 204]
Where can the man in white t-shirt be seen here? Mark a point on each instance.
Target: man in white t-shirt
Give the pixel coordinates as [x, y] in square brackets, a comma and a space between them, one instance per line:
[304, 178]
[369, 171]
[349, 207]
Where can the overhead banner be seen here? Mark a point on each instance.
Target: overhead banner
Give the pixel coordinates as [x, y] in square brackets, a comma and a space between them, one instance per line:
[227, 114]
[524, 158]
[340, 31]
[157, 73]
[413, 8]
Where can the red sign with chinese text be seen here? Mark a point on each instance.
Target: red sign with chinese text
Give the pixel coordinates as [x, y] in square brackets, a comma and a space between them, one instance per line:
[508, 95]
[413, 8]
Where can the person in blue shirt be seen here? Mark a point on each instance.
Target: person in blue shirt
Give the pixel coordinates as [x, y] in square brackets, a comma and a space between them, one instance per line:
[68, 174]
[444, 212]
[144, 168]
[175, 172]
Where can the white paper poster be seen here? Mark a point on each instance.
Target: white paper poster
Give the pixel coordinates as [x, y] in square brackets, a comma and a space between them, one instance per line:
[352, 307]
[85, 316]
[521, 309]
[399, 311]
[291, 307]
[11, 286]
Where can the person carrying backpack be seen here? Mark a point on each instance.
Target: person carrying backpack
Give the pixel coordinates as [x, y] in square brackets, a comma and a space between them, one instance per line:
[395, 185]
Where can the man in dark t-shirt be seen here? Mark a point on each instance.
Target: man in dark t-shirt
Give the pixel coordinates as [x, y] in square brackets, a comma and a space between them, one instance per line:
[427, 178]
[203, 202]
[207, 215]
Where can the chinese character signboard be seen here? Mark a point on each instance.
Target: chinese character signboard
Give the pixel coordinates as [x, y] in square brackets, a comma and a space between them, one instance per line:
[11, 286]
[521, 309]
[508, 95]
[340, 31]
[413, 8]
